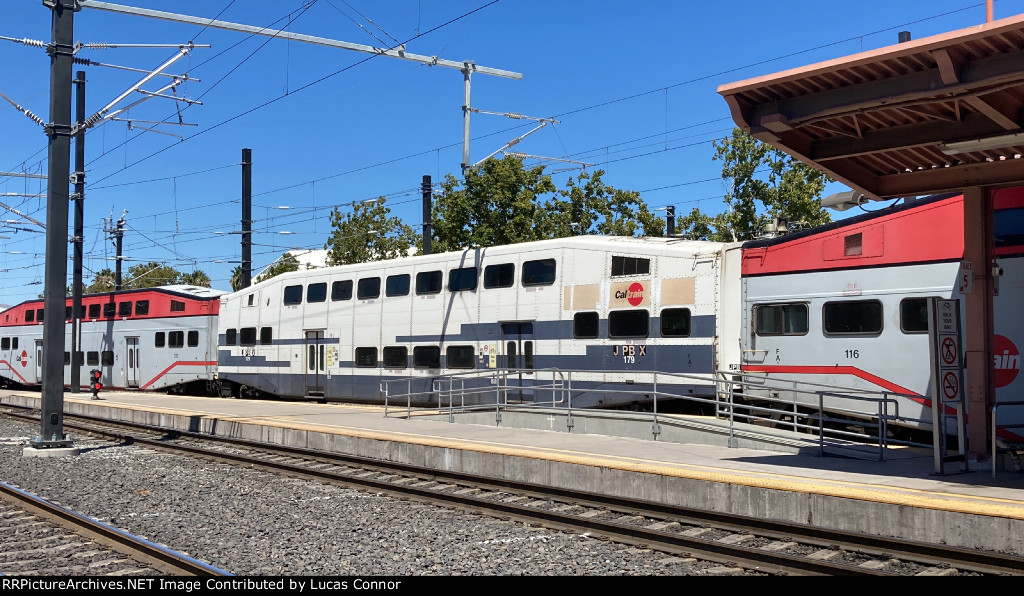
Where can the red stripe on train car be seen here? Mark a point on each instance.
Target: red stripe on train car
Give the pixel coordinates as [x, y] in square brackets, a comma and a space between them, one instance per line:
[840, 370]
[23, 379]
[184, 363]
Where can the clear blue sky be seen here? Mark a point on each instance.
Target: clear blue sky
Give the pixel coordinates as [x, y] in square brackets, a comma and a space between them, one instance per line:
[631, 84]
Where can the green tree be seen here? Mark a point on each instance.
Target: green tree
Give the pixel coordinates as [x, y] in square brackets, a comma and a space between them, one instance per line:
[285, 263]
[150, 275]
[764, 184]
[102, 281]
[588, 206]
[196, 278]
[498, 203]
[236, 278]
[368, 233]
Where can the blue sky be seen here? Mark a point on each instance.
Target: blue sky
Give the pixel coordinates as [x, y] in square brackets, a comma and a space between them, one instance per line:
[632, 86]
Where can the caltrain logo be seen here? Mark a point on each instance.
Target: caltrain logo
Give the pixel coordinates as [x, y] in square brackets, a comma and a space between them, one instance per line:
[1006, 361]
[23, 358]
[634, 294]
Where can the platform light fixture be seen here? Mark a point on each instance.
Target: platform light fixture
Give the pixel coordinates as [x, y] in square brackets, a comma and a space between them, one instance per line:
[999, 142]
[841, 201]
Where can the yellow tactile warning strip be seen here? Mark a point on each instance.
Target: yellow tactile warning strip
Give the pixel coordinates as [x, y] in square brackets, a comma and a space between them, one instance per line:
[985, 506]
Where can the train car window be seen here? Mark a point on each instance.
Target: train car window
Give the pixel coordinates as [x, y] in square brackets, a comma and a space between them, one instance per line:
[500, 276]
[176, 339]
[852, 317]
[341, 290]
[539, 273]
[292, 295]
[585, 325]
[247, 336]
[110, 309]
[158, 339]
[397, 285]
[914, 315]
[30, 316]
[92, 358]
[396, 357]
[460, 357]
[428, 282]
[124, 309]
[67, 358]
[107, 357]
[527, 354]
[630, 266]
[94, 311]
[780, 319]
[177, 306]
[366, 357]
[266, 336]
[39, 315]
[675, 322]
[5, 343]
[230, 337]
[1008, 227]
[426, 357]
[193, 338]
[316, 292]
[251, 300]
[14, 343]
[141, 307]
[67, 313]
[368, 288]
[628, 323]
[462, 279]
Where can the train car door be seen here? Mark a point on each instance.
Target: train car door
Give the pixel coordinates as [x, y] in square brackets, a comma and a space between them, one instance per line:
[517, 345]
[131, 361]
[315, 363]
[39, 361]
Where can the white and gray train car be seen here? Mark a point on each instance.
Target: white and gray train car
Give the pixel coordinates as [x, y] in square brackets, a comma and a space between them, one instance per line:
[150, 339]
[611, 306]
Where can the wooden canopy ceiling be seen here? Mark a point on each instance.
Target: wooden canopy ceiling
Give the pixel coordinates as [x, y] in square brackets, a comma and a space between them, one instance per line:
[927, 116]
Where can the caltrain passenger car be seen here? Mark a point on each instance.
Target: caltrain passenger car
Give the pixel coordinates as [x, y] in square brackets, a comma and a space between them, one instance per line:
[156, 338]
[609, 306]
[846, 304]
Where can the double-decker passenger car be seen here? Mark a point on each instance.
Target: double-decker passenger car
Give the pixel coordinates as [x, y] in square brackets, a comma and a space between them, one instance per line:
[155, 338]
[609, 306]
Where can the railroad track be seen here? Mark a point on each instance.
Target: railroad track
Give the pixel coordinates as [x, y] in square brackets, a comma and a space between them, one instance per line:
[751, 545]
[41, 538]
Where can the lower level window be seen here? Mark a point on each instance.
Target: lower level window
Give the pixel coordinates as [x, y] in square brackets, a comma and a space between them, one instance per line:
[366, 357]
[460, 356]
[426, 357]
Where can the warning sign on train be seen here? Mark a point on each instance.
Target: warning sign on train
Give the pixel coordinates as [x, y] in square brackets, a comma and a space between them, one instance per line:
[950, 385]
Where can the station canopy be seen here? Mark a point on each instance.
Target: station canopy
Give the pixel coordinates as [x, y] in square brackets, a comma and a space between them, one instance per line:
[920, 117]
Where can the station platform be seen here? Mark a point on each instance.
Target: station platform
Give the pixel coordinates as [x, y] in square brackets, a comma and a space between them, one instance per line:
[900, 495]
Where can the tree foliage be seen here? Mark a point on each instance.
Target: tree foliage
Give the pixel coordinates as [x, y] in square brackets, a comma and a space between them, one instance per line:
[195, 278]
[150, 275]
[236, 278]
[502, 202]
[368, 233]
[102, 281]
[285, 263]
[764, 184]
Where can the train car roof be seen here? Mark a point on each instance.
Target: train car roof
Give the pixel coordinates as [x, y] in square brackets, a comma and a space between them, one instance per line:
[850, 221]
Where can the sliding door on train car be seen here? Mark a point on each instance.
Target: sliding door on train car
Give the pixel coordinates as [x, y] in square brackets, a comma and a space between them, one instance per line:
[39, 361]
[517, 344]
[316, 369]
[131, 362]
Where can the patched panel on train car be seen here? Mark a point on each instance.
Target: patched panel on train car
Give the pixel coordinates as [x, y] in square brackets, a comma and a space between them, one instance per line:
[864, 242]
[630, 293]
[680, 290]
[583, 297]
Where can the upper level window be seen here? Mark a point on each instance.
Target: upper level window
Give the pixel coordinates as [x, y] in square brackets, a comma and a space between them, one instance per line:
[852, 317]
[630, 266]
[914, 315]
[177, 306]
[141, 307]
[369, 287]
[341, 290]
[124, 309]
[397, 285]
[428, 282]
[462, 279]
[94, 311]
[292, 295]
[316, 292]
[30, 316]
[781, 319]
[110, 309]
[539, 273]
[499, 276]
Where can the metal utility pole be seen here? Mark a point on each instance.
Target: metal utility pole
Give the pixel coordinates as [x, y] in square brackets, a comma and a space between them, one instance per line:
[61, 51]
[118, 237]
[79, 196]
[246, 218]
[670, 218]
[428, 213]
